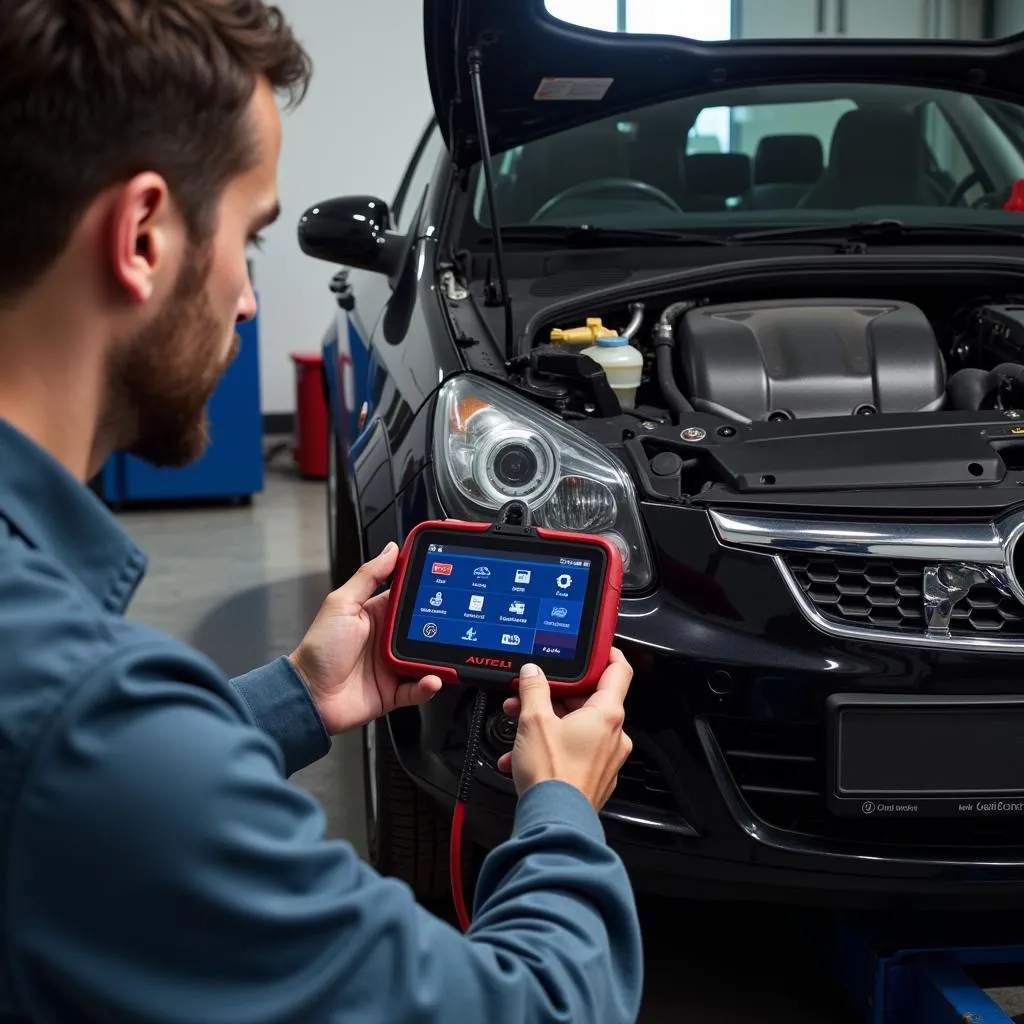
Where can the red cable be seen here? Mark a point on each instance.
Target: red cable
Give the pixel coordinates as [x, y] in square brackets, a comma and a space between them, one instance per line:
[455, 865]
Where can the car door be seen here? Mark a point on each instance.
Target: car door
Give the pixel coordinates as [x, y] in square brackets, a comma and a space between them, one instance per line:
[363, 297]
[401, 367]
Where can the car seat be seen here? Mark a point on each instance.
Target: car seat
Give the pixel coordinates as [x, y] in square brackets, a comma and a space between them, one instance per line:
[785, 167]
[877, 158]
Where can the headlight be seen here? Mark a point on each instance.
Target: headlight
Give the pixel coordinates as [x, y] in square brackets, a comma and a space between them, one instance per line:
[491, 446]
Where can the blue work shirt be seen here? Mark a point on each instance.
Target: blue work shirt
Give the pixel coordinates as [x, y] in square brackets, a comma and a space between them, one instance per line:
[159, 867]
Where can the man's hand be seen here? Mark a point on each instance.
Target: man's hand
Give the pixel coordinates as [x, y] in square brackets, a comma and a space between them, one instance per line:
[579, 741]
[339, 658]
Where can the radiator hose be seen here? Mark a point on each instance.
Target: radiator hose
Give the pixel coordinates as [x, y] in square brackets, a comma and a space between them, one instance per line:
[975, 389]
[664, 352]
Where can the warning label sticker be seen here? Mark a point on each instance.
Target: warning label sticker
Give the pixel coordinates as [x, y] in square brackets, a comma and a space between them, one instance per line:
[572, 88]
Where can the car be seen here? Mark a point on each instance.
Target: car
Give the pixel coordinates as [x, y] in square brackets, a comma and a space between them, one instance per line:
[814, 254]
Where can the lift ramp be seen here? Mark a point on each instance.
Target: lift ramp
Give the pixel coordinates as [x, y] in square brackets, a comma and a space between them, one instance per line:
[953, 970]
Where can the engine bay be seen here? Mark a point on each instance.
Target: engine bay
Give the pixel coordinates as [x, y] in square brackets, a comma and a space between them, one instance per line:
[772, 360]
[796, 392]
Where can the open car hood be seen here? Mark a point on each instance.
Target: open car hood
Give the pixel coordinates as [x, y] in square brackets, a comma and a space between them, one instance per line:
[540, 75]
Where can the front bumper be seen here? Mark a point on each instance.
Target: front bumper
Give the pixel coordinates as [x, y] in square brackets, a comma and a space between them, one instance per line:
[724, 796]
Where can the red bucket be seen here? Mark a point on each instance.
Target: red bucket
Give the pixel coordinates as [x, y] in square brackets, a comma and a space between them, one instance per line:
[311, 420]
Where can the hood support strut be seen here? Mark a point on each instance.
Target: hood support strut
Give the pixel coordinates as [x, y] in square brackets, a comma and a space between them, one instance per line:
[502, 297]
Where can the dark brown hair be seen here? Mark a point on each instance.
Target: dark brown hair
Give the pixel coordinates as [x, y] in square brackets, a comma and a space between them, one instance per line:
[93, 92]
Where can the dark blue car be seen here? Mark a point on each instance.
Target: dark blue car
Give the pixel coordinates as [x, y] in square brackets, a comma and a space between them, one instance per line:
[813, 251]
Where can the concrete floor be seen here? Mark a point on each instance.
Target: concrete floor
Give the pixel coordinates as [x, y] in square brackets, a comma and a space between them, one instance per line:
[243, 584]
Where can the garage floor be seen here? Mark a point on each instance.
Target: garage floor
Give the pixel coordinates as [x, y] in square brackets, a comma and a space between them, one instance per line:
[243, 584]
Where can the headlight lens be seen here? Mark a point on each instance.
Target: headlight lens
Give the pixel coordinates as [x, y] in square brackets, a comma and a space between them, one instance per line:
[491, 446]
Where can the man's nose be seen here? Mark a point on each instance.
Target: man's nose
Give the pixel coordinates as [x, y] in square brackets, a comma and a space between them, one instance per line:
[247, 304]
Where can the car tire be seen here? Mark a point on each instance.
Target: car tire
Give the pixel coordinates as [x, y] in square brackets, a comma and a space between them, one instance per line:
[406, 835]
[342, 524]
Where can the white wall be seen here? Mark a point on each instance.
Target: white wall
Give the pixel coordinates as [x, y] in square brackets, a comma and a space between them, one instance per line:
[354, 133]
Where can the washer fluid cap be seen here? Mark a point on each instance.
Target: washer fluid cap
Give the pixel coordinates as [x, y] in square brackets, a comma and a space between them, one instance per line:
[613, 342]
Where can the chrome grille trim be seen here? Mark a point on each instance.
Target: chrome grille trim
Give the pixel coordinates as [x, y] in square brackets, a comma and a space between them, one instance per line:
[968, 542]
[988, 543]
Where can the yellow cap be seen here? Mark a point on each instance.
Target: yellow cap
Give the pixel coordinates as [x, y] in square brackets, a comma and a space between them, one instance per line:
[583, 335]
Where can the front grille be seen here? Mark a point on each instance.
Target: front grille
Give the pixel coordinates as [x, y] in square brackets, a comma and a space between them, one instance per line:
[887, 593]
[642, 782]
[780, 771]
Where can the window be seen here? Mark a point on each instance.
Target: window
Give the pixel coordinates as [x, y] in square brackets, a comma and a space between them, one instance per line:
[792, 153]
[722, 20]
[600, 14]
[417, 178]
[704, 19]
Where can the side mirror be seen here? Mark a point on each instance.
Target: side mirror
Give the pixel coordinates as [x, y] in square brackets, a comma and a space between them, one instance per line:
[352, 231]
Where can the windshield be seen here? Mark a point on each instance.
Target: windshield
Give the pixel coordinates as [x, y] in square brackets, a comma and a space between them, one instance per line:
[722, 20]
[771, 155]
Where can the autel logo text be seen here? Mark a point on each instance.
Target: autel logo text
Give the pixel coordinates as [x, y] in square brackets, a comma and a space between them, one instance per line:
[476, 659]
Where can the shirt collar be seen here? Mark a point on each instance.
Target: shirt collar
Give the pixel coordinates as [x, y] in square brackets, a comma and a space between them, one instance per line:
[60, 517]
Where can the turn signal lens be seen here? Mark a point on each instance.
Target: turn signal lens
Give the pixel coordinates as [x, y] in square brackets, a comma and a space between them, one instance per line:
[463, 412]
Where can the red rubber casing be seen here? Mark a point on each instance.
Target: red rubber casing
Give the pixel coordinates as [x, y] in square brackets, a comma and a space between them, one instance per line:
[606, 618]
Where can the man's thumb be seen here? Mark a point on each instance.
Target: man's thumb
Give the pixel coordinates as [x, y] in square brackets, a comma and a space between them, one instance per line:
[369, 576]
[534, 690]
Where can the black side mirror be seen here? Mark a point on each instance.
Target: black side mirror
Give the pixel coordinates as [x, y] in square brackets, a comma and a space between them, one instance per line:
[352, 231]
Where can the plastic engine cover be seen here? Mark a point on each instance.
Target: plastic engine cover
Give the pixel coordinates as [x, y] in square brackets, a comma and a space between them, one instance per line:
[809, 358]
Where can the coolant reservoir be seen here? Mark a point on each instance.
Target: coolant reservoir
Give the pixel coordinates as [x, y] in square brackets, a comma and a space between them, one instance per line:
[592, 332]
[623, 366]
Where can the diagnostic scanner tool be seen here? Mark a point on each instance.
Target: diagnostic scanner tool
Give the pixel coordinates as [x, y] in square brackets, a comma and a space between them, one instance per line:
[474, 602]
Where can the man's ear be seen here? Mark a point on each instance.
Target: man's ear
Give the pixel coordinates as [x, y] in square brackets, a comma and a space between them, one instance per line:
[142, 237]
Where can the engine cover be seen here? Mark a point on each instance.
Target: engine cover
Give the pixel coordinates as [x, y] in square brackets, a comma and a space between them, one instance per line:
[809, 358]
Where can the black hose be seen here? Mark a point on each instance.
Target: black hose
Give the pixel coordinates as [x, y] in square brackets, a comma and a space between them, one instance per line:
[677, 403]
[664, 351]
[1007, 384]
[1009, 371]
[975, 389]
[971, 389]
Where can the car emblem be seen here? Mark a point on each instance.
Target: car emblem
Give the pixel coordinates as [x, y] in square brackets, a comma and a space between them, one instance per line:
[945, 586]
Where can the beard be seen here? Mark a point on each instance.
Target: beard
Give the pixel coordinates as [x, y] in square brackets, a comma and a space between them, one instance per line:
[162, 379]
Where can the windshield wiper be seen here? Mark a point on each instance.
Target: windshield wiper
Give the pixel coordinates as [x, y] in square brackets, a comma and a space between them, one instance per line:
[881, 231]
[583, 236]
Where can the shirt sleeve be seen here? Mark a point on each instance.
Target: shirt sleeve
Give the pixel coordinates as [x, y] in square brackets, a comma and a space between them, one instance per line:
[161, 869]
[283, 708]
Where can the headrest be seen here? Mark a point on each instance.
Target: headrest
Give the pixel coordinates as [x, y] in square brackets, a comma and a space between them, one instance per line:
[877, 142]
[788, 159]
[716, 174]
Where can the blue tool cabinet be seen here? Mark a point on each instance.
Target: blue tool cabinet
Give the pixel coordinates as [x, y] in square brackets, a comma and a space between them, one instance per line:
[231, 469]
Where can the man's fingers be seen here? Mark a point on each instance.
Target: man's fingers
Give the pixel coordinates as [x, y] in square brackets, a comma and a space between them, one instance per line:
[563, 706]
[368, 577]
[534, 691]
[613, 685]
[409, 695]
[505, 763]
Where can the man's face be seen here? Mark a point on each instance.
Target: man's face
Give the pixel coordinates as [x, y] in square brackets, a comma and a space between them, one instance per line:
[165, 375]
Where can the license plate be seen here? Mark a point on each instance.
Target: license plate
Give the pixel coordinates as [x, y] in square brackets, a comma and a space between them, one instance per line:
[905, 757]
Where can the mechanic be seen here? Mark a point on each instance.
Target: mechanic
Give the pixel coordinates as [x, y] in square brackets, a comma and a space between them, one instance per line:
[158, 864]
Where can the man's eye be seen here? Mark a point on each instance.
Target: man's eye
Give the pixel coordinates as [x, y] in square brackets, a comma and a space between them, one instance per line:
[257, 241]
